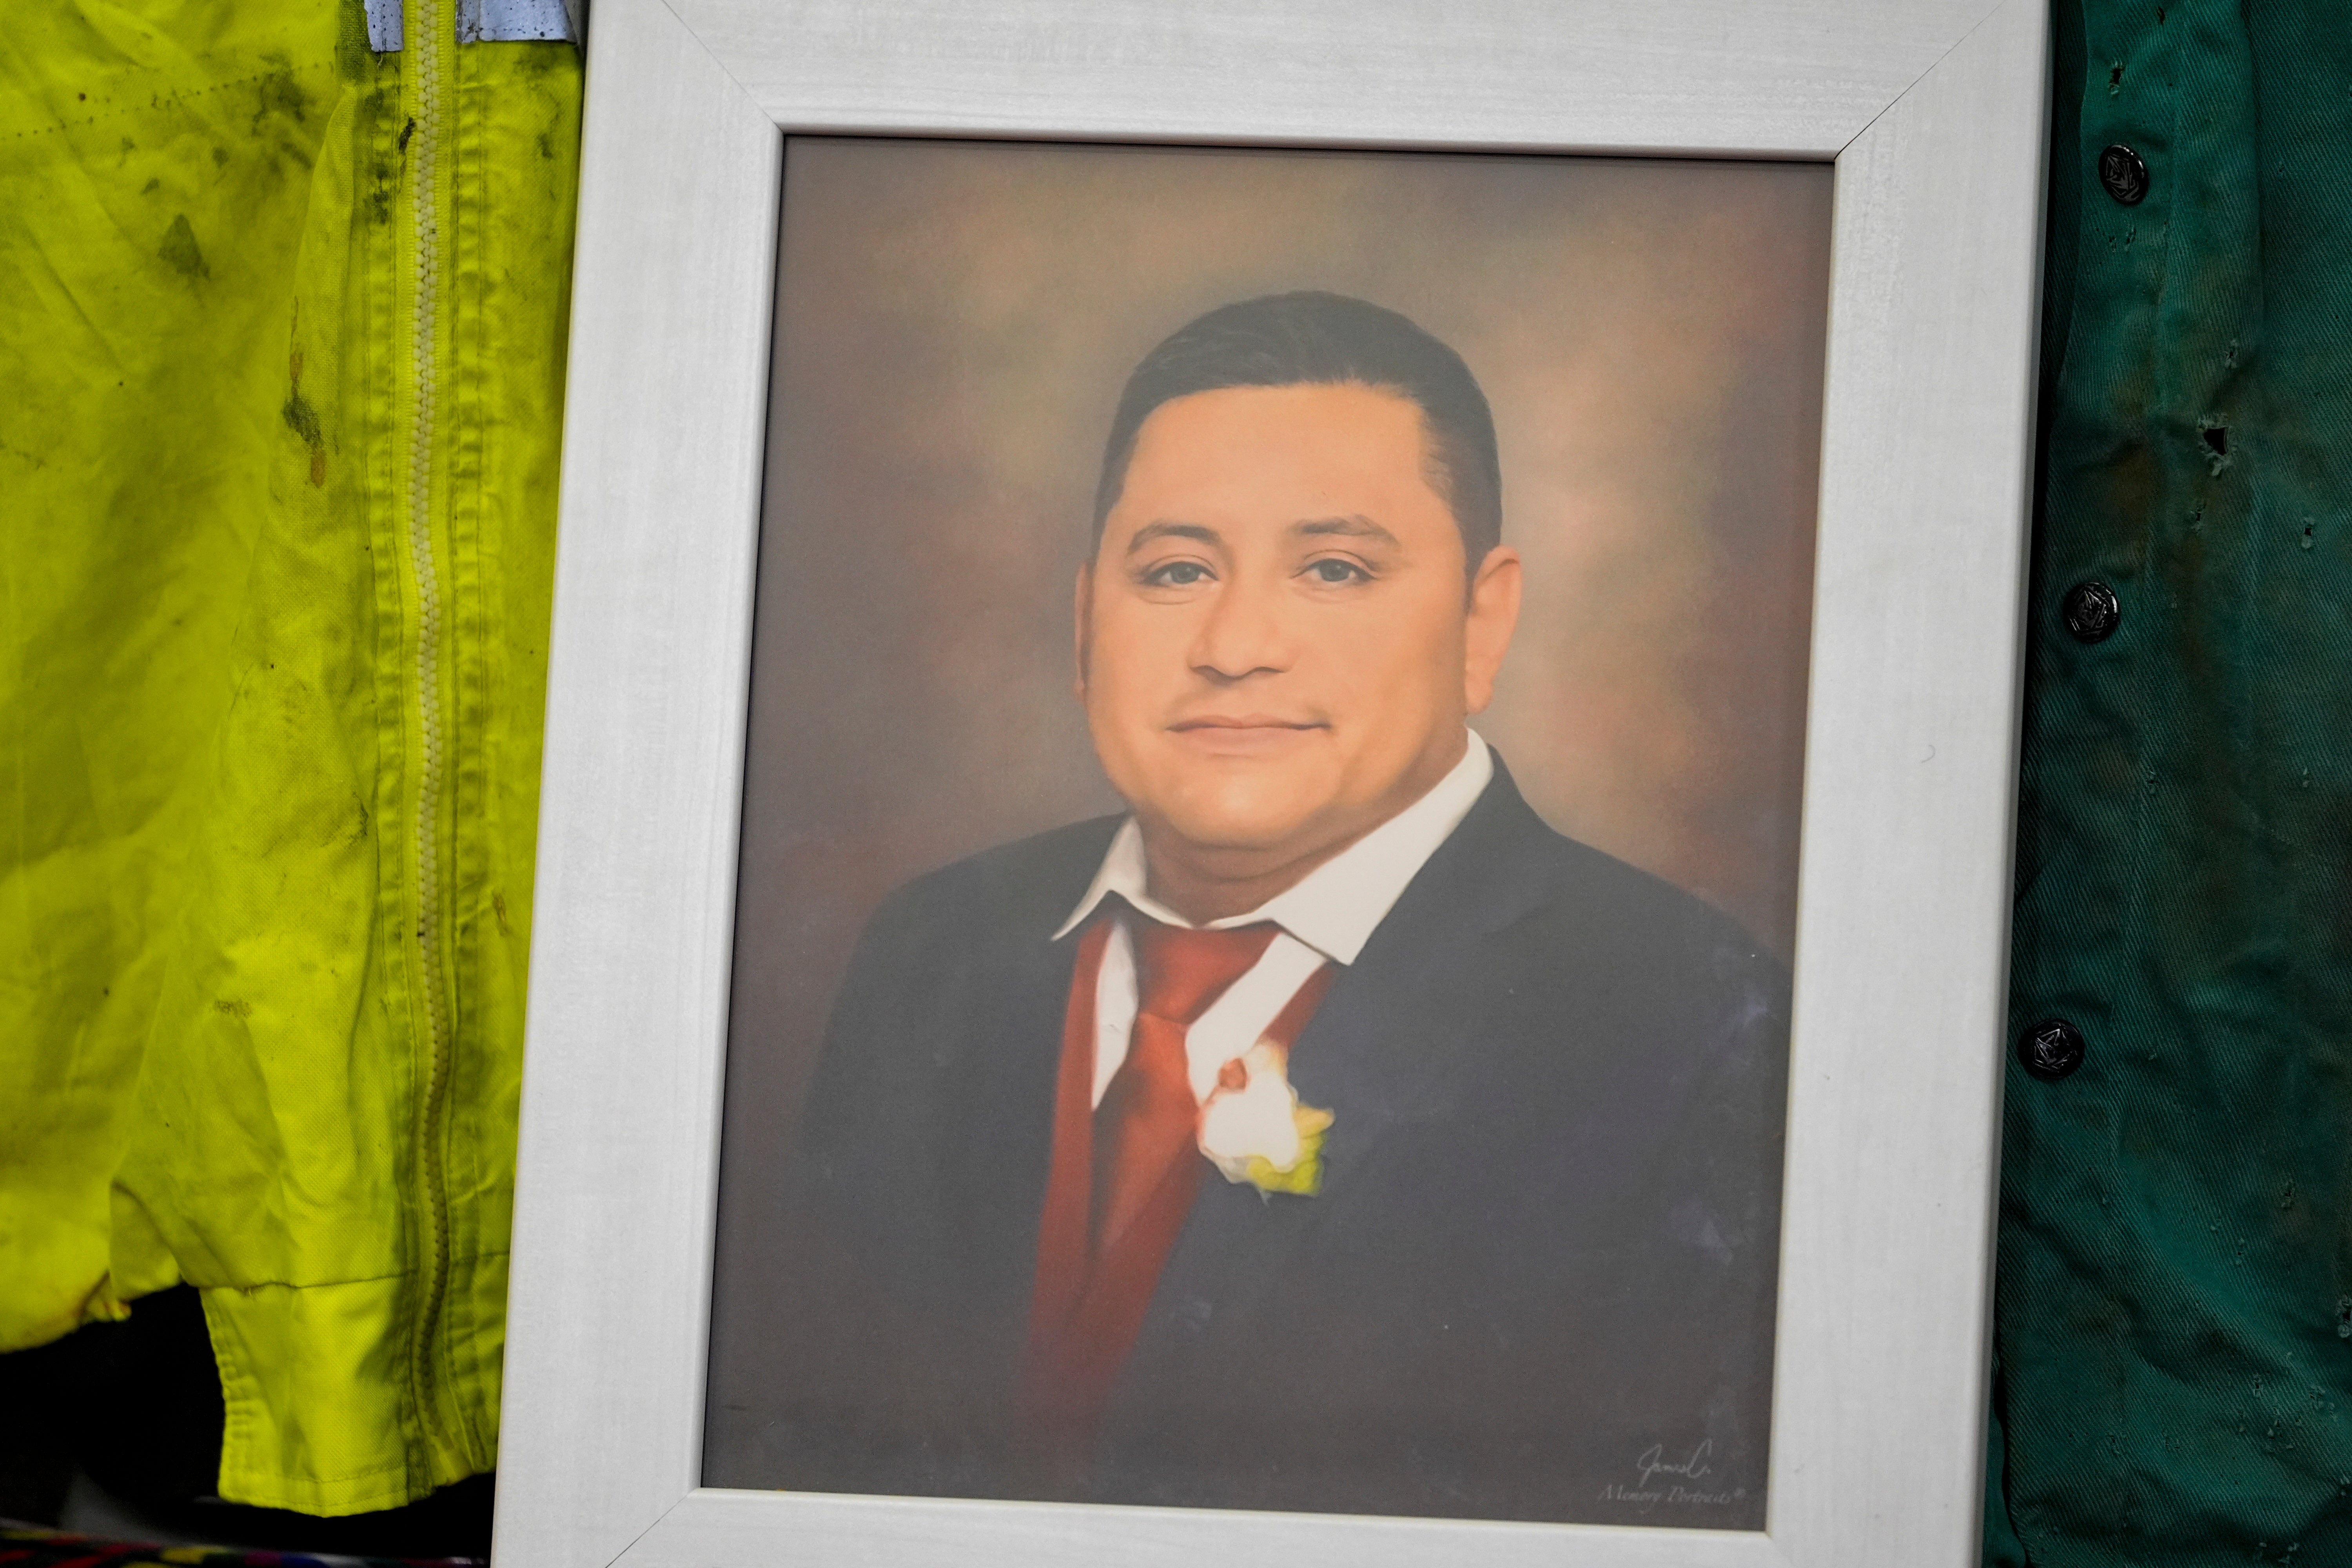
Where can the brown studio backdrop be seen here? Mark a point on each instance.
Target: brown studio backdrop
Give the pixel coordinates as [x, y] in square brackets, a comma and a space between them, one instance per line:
[954, 323]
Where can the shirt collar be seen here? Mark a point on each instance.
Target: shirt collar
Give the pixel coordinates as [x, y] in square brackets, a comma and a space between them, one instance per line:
[1336, 906]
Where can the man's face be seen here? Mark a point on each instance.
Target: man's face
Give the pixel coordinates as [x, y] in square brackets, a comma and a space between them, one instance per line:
[1275, 650]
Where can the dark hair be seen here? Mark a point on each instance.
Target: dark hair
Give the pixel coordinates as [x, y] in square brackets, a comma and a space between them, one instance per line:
[1315, 338]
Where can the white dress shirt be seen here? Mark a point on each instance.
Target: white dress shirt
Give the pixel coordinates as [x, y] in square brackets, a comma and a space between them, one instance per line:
[1327, 917]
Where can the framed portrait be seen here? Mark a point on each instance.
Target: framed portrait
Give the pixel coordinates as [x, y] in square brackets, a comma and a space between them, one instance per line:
[1276, 816]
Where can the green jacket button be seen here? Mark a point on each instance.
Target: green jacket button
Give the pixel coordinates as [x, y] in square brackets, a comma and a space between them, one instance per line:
[2124, 175]
[2051, 1049]
[2092, 612]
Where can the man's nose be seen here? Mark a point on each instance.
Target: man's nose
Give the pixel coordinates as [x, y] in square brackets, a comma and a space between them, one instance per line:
[1244, 631]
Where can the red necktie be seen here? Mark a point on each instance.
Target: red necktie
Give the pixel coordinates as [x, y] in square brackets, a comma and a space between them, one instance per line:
[1123, 1178]
[1148, 1121]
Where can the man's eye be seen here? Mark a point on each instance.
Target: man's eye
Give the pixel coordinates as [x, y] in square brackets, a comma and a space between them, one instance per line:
[1177, 575]
[1335, 571]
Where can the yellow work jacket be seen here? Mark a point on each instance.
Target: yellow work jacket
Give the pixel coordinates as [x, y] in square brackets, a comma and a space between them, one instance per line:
[281, 358]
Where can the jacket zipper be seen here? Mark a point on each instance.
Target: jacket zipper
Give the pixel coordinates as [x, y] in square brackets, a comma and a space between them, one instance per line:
[426, 51]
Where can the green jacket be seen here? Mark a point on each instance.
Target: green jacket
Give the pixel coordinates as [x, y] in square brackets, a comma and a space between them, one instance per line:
[2174, 1310]
[282, 355]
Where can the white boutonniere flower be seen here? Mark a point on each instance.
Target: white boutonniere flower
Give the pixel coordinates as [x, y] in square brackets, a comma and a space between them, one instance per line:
[1253, 1129]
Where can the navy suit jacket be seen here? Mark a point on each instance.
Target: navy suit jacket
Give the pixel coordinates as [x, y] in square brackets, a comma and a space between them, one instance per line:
[1538, 1282]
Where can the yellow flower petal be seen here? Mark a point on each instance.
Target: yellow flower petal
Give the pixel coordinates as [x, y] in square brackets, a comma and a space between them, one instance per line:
[1303, 1177]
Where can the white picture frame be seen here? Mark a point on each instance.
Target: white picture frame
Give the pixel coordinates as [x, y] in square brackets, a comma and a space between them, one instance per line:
[1933, 113]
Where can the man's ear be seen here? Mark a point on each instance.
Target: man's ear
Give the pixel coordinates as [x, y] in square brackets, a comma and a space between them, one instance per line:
[1487, 633]
[1082, 623]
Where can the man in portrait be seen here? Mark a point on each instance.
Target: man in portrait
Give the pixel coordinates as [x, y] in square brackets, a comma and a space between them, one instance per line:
[1325, 1131]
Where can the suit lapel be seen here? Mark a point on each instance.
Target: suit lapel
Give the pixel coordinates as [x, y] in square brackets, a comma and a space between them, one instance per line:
[1385, 1049]
[1382, 1051]
[999, 1114]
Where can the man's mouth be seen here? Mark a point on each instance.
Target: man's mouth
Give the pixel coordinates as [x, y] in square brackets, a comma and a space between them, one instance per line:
[1244, 735]
[1243, 721]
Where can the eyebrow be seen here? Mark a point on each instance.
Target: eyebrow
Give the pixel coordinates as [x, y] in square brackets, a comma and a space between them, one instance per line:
[1346, 527]
[1151, 530]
